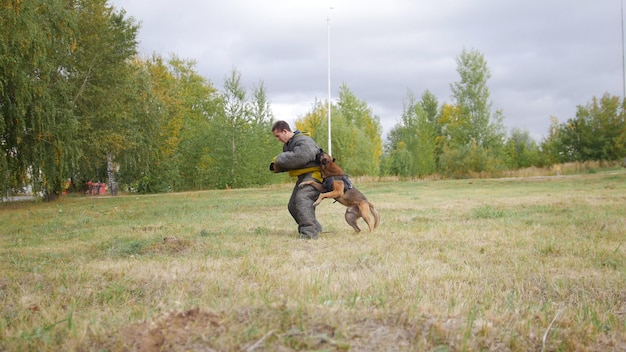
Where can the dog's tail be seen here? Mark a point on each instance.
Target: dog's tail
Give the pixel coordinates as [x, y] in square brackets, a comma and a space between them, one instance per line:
[374, 212]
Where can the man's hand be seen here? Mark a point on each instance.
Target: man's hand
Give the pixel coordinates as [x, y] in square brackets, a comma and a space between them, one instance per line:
[273, 167]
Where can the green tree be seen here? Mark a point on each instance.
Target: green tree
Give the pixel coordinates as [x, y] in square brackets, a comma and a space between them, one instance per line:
[59, 62]
[521, 149]
[38, 129]
[242, 142]
[551, 145]
[472, 133]
[227, 129]
[597, 131]
[315, 122]
[199, 104]
[356, 133]
[260, 144]
[430, 106]
[102, 84]
[415, 138]
[149, 161]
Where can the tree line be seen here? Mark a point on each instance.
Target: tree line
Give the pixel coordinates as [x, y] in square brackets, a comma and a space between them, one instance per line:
[465, 137]
[79, 104]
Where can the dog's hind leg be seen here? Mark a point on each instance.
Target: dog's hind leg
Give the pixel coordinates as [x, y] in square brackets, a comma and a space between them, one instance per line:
[352, 215]
[364, 209]
[375, 214]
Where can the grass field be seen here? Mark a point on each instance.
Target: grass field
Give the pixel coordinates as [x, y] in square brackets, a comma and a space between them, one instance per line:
[525, 264]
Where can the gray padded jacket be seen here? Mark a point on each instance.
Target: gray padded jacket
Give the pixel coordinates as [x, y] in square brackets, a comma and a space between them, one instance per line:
[299, 152]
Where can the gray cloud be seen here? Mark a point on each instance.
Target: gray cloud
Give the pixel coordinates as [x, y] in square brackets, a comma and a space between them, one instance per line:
[545, 57]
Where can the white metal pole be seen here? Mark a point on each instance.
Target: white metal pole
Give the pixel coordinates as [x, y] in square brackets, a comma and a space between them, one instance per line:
[623, 61]
[330, 150]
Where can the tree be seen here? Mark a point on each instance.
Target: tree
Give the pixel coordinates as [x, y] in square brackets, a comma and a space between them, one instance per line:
[315, 122]
[356, 133]
[598, 132]
[472, 133]
[200, 102]
[39, 127]
[430, 106]
[59, 61]
[521, 150]
[412, 143]
[260, 143]
[149, 161]
[242, 142]
[363, 131]
[102, 85]
[551, 147]
[228, 125]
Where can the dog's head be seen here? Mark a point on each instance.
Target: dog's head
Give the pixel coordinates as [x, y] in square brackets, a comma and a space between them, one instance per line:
[325, 159]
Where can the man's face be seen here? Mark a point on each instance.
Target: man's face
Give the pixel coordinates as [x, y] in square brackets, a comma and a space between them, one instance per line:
[282, 135]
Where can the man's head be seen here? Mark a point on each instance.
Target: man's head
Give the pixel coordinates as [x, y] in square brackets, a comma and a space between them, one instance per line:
[282, 131]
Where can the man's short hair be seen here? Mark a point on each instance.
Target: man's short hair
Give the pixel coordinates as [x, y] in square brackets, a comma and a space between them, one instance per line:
[280, 126]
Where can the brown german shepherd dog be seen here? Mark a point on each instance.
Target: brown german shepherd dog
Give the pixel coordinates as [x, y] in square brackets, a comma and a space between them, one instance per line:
[337, 185]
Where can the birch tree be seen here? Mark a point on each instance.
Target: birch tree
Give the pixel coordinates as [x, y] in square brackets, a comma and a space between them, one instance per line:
[474, 134]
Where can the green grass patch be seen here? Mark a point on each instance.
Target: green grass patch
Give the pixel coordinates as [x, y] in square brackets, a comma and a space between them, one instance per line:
[514, 264]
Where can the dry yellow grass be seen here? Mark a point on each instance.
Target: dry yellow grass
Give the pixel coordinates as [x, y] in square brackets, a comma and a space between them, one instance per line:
[524, 264]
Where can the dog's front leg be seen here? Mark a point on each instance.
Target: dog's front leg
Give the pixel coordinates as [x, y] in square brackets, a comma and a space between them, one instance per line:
[335, 193]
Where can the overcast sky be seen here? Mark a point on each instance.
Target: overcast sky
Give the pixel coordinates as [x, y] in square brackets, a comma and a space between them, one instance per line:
[545, 56]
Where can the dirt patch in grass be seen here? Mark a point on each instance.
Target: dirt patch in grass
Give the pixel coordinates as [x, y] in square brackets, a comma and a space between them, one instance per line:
[280, 329]
[188, 330]
[169, 245]
[198, 330]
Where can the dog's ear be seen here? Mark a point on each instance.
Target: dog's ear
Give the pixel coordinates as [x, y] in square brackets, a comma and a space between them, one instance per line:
[334, 160]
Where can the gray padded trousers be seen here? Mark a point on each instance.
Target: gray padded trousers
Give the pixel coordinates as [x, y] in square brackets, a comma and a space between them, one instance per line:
[302, 210]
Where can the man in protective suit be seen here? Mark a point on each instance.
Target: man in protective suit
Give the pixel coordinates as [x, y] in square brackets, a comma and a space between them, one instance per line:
[299, 158]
